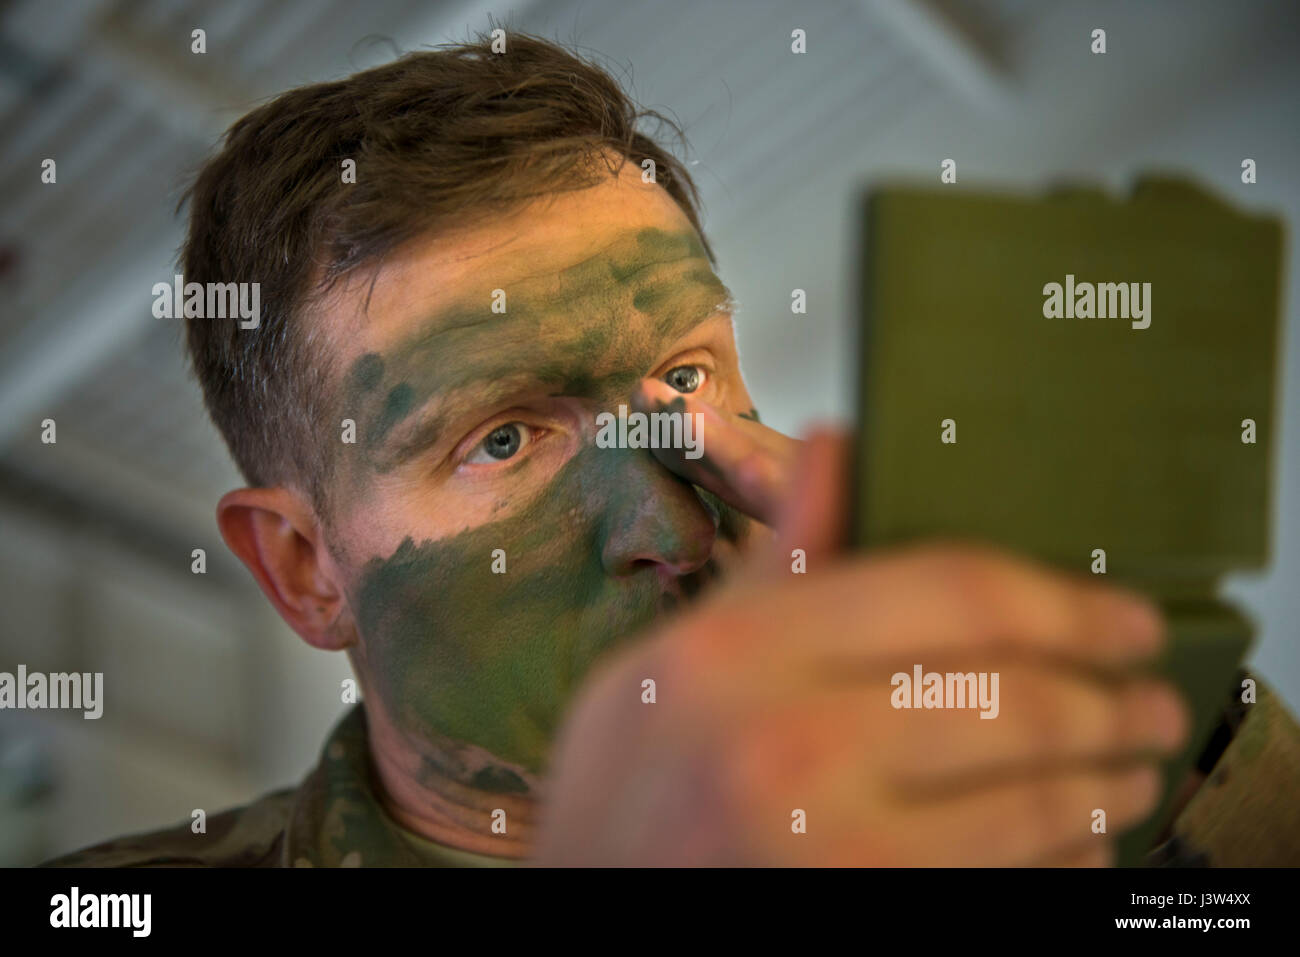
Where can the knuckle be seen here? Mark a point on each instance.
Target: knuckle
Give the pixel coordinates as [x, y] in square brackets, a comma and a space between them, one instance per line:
[1049, 723]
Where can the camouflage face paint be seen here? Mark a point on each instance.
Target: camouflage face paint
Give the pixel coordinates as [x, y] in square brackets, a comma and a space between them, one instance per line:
[467, 659]
[570, 332]
[493, 659]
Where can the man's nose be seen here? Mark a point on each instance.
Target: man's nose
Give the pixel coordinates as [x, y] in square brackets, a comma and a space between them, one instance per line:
[654, 519]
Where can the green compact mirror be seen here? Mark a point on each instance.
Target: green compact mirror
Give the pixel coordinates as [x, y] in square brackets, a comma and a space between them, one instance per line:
[1084, 379]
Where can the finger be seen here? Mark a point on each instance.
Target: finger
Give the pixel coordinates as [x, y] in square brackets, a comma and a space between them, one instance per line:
[812, 521]
[1039, 718]
[745, 463]
[1020, 822]
[924, 602]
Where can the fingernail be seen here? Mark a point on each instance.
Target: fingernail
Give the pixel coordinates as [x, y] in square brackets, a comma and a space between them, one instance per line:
[1139, 622]
[650, 391]
[1146, 784]
[1163, 716]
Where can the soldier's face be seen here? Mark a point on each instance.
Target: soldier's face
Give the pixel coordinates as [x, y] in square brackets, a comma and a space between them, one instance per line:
[493, 550]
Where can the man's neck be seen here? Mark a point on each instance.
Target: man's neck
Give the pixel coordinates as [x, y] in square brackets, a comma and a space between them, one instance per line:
[429, 789]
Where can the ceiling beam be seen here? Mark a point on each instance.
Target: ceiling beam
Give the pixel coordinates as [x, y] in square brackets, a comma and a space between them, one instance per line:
[956, 48]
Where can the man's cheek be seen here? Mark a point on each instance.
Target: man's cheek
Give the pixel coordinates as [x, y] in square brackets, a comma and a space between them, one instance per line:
[483, 637]
[459, 651]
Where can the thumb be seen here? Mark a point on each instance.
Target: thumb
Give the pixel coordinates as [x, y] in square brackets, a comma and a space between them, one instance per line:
[814, 516]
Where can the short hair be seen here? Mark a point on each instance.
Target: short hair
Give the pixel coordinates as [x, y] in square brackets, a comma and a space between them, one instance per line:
[437, 136]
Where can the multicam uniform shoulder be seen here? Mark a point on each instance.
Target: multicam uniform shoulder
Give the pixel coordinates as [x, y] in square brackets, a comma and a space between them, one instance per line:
[338, 819]
[1247, 813]
[250, 836]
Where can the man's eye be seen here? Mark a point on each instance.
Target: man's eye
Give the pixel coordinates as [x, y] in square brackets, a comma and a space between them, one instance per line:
[500, 444]
[685, 378]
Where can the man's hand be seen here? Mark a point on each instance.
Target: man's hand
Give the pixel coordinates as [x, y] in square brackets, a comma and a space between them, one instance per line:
[774, 697]
[745, 463]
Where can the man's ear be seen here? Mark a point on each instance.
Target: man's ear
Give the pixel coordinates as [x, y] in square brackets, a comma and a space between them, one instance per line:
[276, 534]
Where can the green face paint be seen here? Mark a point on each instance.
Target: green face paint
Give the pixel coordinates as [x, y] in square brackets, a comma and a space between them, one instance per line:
[492, 660]
[461, 655]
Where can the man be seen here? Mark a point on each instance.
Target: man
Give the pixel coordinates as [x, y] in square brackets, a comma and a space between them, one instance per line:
[417, 415]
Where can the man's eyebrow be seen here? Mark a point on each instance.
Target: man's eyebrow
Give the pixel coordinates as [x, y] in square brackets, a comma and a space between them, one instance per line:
[429, 423]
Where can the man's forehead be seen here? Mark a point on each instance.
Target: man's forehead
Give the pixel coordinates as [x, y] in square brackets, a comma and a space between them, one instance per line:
[636, 294]
[523, 250]
[418, 297]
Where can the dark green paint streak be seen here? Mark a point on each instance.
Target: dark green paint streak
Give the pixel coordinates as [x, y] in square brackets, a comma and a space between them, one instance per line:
[397, 405]
[499, 781]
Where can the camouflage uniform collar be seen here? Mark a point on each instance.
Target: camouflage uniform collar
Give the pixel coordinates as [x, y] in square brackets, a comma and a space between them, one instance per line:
[337, 819]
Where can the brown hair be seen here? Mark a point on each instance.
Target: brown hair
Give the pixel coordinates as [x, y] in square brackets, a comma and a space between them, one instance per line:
[437, 136]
